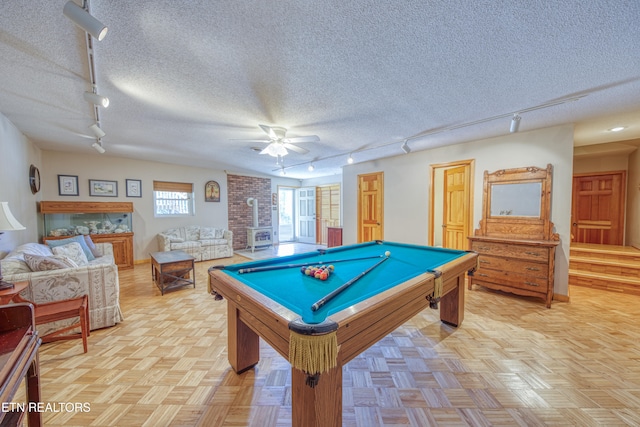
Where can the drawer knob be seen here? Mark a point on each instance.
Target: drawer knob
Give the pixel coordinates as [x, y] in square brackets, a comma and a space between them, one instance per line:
[482, 275]
[531, 284]
[483, 261]
[533, 269]
[532, 253]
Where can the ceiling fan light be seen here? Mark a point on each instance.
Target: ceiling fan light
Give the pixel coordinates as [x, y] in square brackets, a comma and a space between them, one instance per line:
[275, 149]
[350, 159]
[311, 168]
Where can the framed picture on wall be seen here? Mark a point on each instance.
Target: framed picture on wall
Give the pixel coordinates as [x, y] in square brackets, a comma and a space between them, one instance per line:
[134, 188]
[68, 185]
[103, 188]
[211, 192]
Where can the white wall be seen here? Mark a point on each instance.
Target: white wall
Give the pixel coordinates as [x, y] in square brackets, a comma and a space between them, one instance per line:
[407, 181]
[632, 236]
[145, 225]
[17, 154]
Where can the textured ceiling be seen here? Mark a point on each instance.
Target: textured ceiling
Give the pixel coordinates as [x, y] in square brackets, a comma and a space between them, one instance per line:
[188, 79]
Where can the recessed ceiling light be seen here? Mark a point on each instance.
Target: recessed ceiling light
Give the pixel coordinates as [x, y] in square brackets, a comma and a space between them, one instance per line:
[617, 129]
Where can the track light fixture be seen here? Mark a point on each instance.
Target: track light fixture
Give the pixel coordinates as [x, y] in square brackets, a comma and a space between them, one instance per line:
[84, 20]
[311, 168]
[98, 146]
[515, 123]
[95, 99]
[405, 147]
[350, 159]
[95, 128]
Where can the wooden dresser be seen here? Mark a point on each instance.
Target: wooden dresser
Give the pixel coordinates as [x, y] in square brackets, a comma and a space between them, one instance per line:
[515, 242]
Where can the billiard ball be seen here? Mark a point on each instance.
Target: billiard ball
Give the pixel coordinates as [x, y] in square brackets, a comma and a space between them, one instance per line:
[387, 253]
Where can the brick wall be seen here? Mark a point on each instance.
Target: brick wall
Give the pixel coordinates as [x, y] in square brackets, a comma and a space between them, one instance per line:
[240, 188]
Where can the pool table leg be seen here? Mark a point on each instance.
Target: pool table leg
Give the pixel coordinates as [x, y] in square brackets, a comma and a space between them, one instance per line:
[320, 405]
[244, 344]
[452, 303]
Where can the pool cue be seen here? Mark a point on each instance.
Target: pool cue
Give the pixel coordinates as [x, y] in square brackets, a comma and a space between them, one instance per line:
[283, 266]
[328, 297]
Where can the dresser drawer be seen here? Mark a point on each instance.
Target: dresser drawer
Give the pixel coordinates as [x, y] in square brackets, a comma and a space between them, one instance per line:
[532, 268]
[513, 251]
[511, 279]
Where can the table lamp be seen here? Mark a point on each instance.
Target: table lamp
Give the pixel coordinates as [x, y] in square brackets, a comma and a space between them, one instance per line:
[7, 223]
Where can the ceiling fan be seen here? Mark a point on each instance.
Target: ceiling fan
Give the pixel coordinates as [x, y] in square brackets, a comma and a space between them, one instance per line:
[278, 141]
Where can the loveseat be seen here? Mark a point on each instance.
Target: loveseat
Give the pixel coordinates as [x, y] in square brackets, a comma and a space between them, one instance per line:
[98, 279]
[202, 243]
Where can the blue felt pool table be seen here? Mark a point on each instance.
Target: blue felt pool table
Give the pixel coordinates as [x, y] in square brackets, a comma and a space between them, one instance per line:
[274, 299]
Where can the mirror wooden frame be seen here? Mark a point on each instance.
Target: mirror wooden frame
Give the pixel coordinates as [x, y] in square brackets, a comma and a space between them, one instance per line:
[518, 227]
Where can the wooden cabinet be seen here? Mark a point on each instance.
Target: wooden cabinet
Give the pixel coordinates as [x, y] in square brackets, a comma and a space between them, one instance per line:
[334, 236]
[109, 222]
[515, 242]
[522, 267]
[19, 344]
[122, 246]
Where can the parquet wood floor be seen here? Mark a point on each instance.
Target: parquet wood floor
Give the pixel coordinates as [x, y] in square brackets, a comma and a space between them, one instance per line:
[512, 363]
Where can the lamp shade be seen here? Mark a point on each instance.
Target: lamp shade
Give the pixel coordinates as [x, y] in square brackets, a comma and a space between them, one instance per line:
[7, 221]
[84, 20]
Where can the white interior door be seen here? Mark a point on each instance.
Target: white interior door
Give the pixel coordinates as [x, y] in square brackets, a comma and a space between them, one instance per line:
[307, 215]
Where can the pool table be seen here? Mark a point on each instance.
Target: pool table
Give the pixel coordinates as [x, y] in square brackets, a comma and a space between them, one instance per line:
[273, 299]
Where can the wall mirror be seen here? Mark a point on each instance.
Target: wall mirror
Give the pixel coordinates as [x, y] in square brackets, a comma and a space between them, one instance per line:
[516, 204]
[516, 199]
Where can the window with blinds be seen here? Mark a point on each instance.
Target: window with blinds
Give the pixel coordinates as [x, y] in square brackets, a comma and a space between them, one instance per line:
[172, 198]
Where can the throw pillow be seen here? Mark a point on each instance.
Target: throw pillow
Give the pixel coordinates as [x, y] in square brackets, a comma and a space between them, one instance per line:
[219, 234]
[46, 263]
[207, 233]
[74, 251]
[92, 246]
[78, 239]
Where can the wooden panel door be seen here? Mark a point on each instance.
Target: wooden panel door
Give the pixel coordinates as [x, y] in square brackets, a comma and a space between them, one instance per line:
[370, 205]
[456, 209]
[597, 208]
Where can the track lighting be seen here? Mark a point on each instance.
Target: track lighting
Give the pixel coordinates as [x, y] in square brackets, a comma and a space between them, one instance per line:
[282, 171]
[95, 128]
[84, 20]
[350, 159]
[515, 123]
[98, 146]
[311, 168]
[95, 99]
[405, 147]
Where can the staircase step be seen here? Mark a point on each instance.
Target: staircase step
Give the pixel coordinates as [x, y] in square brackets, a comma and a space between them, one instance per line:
[626, 254]
[613, 267]
[608, 282]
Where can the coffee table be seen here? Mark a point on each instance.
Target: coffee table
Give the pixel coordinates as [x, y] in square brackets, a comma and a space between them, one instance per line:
[172, 269]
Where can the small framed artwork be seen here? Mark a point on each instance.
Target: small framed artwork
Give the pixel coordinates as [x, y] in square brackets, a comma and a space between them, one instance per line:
[103, 188]
[211, 192]
[134, 188]
[274, 199]
[68, 185]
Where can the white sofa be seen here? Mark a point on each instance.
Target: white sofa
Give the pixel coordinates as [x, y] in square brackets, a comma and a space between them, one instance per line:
[98, 279]
[202, 243]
